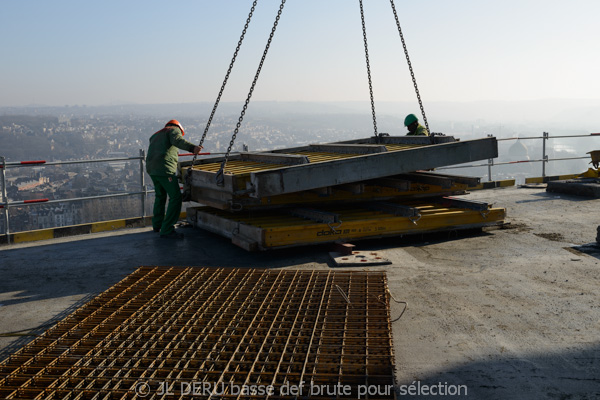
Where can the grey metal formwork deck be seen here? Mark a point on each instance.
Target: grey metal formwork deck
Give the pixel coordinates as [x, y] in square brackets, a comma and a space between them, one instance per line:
[318, 166]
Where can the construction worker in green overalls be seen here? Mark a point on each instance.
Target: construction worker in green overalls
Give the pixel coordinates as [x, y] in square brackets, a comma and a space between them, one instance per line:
[414, 128]
[161, 165]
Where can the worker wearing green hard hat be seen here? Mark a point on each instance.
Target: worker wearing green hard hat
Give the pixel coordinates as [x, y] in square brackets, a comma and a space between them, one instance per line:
[414, 128]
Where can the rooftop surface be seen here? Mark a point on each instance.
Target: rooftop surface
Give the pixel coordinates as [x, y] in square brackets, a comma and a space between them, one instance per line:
[510, 313]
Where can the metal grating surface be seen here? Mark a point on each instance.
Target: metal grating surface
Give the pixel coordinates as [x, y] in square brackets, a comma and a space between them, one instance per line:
[216, 333]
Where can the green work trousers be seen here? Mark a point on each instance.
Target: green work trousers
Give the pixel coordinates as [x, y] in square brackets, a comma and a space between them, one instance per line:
[163, 186]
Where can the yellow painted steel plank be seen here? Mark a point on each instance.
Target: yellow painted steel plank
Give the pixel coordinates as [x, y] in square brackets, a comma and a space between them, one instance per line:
[208, 167]
[32, 236]
[287, 236]
[426, 210]
[246, 169]
[108, 225]
[234, 165]
[241, 167]
[400, 147]
[319, 157]
[285, 222]
[434, 210]
[214, 167]
[289, 221]
[448, 213]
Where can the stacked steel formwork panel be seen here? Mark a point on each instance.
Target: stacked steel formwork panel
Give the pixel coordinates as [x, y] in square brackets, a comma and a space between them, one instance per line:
[215, 333]
[261, 190]
[314, 167]
[289, 227]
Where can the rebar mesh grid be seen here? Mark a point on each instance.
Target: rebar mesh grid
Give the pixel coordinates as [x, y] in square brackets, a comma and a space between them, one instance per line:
[216, 333]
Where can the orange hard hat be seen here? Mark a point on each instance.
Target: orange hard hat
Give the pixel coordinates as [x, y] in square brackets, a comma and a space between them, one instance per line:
[177, 124]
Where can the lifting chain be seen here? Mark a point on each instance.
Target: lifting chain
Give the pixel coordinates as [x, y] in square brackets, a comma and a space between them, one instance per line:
[364, 29]
[220, 180]
[188, 178]
[237, 49]
[412, 74]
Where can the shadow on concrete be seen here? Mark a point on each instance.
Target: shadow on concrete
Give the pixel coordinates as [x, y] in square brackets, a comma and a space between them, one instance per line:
[86, 265]
[553, 375]
[591, 249]
[546, 196]
[43, 273]
[421, 239]
[89, 265]
[25, 336]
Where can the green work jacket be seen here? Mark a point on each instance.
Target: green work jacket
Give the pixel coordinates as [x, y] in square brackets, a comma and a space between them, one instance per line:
[421, 131]
[162, 157]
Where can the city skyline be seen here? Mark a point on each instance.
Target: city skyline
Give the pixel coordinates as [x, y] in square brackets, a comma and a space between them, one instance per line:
[68, 52]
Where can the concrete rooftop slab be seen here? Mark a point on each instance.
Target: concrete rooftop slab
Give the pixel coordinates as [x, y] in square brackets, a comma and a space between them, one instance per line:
[510, 313]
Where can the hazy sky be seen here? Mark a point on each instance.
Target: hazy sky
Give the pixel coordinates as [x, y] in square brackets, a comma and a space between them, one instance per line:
[105, 52]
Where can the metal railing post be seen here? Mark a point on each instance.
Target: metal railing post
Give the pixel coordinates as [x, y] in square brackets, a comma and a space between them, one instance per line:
[490, 164]
[143, 182]
[5, 200]
[544, 155]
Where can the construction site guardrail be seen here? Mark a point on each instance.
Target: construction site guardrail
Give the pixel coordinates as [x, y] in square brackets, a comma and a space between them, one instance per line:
[544, 160]
[5, 205]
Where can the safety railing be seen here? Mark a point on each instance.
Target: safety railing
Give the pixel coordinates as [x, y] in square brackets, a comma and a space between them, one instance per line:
[6, 205]
[544, 160]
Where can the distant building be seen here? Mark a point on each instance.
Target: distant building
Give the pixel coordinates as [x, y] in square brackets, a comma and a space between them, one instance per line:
[28, 184]
[55, 216]
[523, 169]
[518, 151]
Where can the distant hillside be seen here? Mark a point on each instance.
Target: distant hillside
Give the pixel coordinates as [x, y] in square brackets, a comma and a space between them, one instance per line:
[576, 114]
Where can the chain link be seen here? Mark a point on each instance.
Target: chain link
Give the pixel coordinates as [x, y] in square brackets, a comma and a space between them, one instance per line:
[187, 183]
[220, 178]
[235, 54]
[364, 29]
[412, 74]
